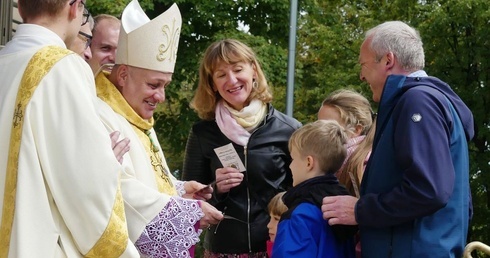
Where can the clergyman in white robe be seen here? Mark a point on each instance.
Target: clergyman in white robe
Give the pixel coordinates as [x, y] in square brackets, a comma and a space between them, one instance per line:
[68, 200]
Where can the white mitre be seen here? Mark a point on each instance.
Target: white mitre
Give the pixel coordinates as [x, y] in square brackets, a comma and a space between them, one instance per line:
[149, 44]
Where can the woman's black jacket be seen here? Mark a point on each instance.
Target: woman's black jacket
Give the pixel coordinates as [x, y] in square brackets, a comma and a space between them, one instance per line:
[267, 160]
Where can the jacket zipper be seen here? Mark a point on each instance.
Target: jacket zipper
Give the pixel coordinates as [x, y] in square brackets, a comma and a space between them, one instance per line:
[390, 252]
[248, 202]
[248, 189]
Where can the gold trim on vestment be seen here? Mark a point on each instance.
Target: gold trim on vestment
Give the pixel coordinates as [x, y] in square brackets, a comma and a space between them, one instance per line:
[108, 92]
[39, 65]
[116, 232]
[114, 240]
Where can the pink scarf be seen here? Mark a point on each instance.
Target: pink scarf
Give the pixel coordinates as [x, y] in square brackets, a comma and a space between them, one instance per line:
[229, 126]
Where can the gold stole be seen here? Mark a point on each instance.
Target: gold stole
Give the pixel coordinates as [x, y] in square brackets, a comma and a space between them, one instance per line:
[39, 65]
[111, 95]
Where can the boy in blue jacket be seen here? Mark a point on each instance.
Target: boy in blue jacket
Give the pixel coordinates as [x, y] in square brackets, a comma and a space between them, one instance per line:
[317, 151]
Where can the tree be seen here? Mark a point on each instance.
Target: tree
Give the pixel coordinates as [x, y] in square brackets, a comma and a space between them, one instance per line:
[457, 50]
[114, 7]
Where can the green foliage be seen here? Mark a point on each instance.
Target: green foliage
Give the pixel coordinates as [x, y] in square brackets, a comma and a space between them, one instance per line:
[455, 35]
[457, 50]
[113, 7]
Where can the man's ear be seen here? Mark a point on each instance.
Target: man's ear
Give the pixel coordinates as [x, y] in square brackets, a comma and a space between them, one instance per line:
[122, 75]
[73, 10]
[390, 60]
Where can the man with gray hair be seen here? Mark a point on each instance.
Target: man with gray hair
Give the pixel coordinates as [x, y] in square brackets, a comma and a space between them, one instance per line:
[415, 195]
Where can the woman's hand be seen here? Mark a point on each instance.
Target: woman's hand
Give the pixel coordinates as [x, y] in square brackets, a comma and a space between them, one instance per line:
[227, 178]
[119, 147]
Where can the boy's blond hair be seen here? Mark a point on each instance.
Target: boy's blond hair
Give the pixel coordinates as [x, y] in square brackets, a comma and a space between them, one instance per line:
[324, 140]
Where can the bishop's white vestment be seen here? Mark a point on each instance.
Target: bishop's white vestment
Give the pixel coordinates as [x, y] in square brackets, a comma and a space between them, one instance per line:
[169, 229]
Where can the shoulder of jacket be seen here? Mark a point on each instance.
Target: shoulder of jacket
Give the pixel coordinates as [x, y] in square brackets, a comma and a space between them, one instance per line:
[423, 91]
[203, 123]
[290, 121]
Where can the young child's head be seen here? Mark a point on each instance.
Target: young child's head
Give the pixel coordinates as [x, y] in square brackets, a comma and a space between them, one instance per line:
[317, 149]
[351, 109]
[276, 209]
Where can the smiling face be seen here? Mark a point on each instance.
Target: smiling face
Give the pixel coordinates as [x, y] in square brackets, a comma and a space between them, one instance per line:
[104, 44]
[234, 83]
[373, 71]
[143, 89]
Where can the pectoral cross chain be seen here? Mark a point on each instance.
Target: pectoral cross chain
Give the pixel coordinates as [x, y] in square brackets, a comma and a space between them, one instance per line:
[159, 168]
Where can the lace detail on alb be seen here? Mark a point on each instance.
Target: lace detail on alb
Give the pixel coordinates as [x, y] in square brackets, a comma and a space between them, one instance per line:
[179, 186]
[172, 233]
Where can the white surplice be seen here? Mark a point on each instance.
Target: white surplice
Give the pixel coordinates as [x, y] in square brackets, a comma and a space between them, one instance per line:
[68, 177]
[139, 185]
[138, 167]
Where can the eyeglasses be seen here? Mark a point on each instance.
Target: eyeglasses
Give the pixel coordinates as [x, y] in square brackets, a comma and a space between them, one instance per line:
[86, 38]
[86, 13]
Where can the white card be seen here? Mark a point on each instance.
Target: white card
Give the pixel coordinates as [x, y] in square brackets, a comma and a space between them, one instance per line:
[229, 157]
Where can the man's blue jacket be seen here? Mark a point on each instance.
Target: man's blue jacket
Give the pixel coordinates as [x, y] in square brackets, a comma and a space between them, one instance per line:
[415, 197]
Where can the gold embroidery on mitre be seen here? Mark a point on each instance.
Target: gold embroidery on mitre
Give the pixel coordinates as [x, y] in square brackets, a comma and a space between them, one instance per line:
[149, 44]
[168, 49]
[39, 65]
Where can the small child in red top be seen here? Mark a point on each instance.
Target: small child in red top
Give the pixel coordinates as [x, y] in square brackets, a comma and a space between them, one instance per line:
[276, 209]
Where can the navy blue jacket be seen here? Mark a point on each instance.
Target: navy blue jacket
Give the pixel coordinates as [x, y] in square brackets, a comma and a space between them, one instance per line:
[415, 197]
